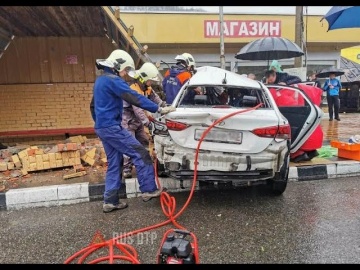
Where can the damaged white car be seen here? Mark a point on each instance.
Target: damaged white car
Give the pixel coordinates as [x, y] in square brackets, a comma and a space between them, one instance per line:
[248, 148]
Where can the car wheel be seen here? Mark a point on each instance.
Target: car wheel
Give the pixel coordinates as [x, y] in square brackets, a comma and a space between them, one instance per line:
[160, 169]
[277, 187]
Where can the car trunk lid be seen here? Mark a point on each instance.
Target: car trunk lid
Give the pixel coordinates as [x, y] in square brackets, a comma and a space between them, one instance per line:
[242, 133]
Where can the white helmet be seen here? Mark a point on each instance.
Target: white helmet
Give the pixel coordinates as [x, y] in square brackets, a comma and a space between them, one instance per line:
[119, 60]
[148, 71]
[188, 58]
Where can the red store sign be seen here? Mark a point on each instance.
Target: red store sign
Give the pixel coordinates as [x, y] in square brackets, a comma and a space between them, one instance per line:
[242, 29]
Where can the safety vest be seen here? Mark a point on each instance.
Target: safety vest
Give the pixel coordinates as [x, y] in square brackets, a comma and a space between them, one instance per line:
[145, 92]
[135, 85]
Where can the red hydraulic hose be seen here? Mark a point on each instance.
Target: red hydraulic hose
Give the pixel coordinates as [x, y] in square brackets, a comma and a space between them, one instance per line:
[168, 206]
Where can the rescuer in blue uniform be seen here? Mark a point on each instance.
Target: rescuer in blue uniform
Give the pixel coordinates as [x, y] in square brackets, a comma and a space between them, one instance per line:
[178, 75]
[110, 90]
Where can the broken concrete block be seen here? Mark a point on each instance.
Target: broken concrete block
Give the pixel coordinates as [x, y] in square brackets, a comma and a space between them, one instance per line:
[77, 161]
[78, 167]
[73, 139]
[58, 156]
[24, 171]
[32, 159]
[52, 160]
[3, 167]
[16, 160]
[22, 153]
[65, 158]
[10, 165]
[76, 139]
[31, 152]
[25, 163]
[39, 152]
[32, 167]
[82, 139]
[91, 153]
[59, 163]
[69, 147]
[39, 162]
[45, 157]
[61, 147]
[89, 160]
[46, 165]
[73, 175]
[71, 161]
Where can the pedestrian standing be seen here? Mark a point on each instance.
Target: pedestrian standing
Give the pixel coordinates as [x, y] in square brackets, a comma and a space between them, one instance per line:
[332, 86]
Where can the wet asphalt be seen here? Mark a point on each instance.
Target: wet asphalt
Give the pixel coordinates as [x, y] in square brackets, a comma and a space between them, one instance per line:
[312, 222]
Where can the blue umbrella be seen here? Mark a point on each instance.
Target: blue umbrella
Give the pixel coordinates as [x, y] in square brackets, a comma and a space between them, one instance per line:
[343, 17]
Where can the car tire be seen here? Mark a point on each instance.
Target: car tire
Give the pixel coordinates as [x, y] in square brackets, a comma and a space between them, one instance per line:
[160, 169]
[277, 187]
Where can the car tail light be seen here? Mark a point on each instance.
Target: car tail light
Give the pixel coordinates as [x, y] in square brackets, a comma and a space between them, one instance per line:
[280, 132]
[176, 126]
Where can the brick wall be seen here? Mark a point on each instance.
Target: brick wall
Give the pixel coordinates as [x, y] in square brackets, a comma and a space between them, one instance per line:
[45, 106]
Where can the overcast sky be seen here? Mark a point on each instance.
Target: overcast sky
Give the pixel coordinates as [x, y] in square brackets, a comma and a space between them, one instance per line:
[312, 10]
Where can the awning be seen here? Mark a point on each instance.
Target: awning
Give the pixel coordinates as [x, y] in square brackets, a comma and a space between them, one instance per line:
[351, 69]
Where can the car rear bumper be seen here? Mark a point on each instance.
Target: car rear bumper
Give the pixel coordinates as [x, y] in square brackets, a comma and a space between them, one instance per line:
[237, 176]
[220, 166]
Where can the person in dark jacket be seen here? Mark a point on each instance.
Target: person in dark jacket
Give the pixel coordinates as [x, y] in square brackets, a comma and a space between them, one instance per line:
[313, 78]
[273, 77]
[109, 92]
[178, 75]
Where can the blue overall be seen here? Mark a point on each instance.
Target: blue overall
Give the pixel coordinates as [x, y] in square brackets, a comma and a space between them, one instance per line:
[109, 92]
[174, 79]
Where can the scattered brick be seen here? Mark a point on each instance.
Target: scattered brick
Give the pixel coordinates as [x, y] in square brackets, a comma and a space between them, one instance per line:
[31, 152]
[24, 171]
[10, 165]
[78, 167]
[3, 167]
[60, 147]
[73, 175]
[16, 160]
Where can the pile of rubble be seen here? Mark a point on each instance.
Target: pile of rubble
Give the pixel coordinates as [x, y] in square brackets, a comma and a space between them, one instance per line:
[74, 152]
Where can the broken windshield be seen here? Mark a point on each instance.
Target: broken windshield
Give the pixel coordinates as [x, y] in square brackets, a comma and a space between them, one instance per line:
[220, 96]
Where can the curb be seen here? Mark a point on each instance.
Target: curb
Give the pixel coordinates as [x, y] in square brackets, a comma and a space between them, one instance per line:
[57, 195]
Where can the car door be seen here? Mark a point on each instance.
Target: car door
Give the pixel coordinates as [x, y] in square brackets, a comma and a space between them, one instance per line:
[301, 112]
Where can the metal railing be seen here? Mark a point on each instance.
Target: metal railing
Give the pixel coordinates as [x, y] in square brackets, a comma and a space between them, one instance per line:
[118, 31]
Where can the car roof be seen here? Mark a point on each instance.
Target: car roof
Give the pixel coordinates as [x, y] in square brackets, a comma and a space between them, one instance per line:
[208, 75]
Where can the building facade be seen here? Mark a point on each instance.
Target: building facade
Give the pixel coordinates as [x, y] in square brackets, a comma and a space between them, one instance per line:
[197, 33]
[47, 75]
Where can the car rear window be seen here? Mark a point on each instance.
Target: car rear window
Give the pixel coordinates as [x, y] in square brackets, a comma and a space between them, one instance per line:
[220, 96]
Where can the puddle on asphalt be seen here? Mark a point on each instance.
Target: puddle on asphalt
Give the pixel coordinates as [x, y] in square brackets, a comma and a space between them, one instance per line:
[341, 130]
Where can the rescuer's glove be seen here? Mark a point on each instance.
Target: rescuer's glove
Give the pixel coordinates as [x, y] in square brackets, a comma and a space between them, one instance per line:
[166, 110]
